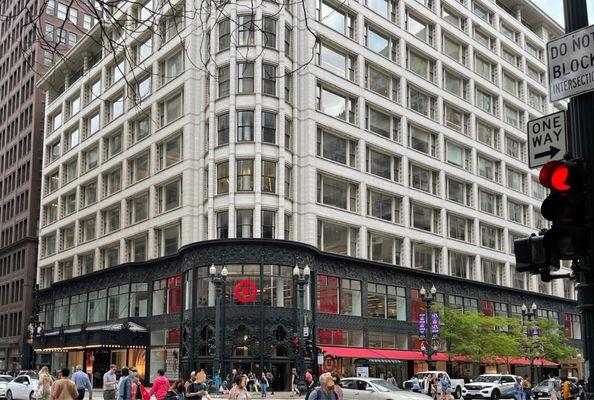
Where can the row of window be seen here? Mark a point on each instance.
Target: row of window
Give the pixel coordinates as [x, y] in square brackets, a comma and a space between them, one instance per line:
[168, 196]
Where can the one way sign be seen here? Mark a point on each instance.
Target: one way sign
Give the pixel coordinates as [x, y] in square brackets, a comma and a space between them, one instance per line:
[547, 139]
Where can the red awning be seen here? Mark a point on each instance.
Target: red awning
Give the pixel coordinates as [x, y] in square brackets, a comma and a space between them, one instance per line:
[359, 352]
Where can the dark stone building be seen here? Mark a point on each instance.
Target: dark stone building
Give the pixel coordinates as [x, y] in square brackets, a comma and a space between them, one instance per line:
[161, 314]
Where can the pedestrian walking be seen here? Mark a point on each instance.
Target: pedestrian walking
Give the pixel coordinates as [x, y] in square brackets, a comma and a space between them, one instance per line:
[135, 393]
[239, 391]
[294, 387]
[125, 386]
[64, 388]
[270, 378]
[176, 391]
[263, 384]
[391, 380]
[197, 389]
[44, 384]
[82, 382]
[326, 389]
[337, 387]
[110, 382]
[416, 386]
[527, 388]
[309, 382]
[217, 382]
[160, 385]
[518, 389]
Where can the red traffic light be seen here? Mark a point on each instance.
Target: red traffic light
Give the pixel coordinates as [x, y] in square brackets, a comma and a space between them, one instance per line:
[556, 175]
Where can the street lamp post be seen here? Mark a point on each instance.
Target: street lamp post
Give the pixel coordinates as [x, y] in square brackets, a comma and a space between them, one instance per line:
[219, 280]
[431, 344]
[529, 315]
[301, 278]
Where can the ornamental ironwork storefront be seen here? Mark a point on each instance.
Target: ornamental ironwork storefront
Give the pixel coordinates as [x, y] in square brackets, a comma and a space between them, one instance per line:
[247, 318]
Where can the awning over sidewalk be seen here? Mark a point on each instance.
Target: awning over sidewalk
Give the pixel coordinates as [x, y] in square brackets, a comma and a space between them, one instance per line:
[412, 355]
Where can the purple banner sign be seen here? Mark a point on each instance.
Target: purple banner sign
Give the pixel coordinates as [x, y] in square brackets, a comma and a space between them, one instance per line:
[422, 326]
[435, 322]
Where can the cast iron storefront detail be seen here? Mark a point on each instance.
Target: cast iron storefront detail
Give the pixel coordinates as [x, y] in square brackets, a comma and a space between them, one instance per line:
[258, 334]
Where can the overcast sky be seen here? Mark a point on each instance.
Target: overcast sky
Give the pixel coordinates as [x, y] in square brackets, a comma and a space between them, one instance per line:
[555, 9]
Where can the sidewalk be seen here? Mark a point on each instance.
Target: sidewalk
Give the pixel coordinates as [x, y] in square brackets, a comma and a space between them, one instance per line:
[98, 395]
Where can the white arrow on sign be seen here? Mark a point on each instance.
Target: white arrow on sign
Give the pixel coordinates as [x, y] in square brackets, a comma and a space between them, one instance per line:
[547, 139]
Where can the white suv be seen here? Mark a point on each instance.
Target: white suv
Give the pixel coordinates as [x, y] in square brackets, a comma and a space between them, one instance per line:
[490, 386]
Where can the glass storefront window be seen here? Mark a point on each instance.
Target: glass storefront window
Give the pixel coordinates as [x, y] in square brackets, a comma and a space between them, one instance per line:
[277, 289]
[386, 301]
[97, 309]
[173, 294]
[339, 337]
[61, 312]
[78, 307]
[417, 305]
[204, 294]
[137, 358]
[118, 302]
[118, 358]
[383, 340]
[327, 296]
[139, 300]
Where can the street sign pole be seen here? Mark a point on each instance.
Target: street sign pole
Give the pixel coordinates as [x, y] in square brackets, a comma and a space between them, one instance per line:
[582, 145]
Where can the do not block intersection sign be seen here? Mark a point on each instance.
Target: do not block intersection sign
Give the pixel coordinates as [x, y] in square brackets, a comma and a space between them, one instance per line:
[547, 139]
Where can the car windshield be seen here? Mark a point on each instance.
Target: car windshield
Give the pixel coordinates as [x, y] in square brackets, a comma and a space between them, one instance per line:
[5, 379]
[422, 375]
[544, 383]
[383, 385]
[488, 378]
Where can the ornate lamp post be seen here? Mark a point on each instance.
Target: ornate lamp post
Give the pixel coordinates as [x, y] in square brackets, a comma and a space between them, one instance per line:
[301, 278]
[219, 280]
[534, 349]
[430, 342]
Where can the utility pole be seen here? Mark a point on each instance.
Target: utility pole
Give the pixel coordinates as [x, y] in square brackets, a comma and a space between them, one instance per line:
[582, 145]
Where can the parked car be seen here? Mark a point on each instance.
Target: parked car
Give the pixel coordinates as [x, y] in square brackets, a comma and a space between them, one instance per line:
[375, 389]
[4, 379]
[491, 386]
[542, 390]
[22, 387]
[456, 384]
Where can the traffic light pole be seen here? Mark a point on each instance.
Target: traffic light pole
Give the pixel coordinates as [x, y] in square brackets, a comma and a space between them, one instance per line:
[582, 145]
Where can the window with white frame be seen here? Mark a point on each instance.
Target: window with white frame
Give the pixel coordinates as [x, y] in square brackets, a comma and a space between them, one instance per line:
[224, 34]
[460, 228]
[491, 237]
[51, 212]
[511, 115]
[337, 192]
[490, 202]
[421, 102]
[458, 155]
[424, 179]
[420, 65]
[89, 193]
[484, 67]
[384, 206]
[383, 165]
[89, 228]
[93, 124]
[113, 145]
[425, 257]
[268, 176]
[170, 152]
[137, 248]
[455, 119]
[422, 140]
[453, 49]
[268, 127]
[138, 208]
[335, 104]
[517, 212]
[172, 67]
[246, 30]
[336, 148]
[335, 17]
[419, 28]
[381, 43]
[171, 109]
[268, 224]
[488, 168]
[112, 181]
[245, 126]
[67, 235]
[91, 158]
[382, 83]
[244, 223]
[168, 239]
[492, 271]
[382, 123]
[386, 8]
[455, 84]
[245, 77]
[461, 265]
[337, 238]
[486, 134]
[111, 219]
[485, 101]
[139, 168]
[516, 180]
[245, 175]
[510, 84]
[169, 196]
[384, 248]
[424, 217]
[140, 128]
[459, 191]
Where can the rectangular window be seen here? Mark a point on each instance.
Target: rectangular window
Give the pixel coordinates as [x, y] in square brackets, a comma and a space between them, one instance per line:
[169, 196]
[336, 148]
[517, 212]
[171, 109]
[488, 168]
[245, 126]
[269, 32]
[111, 220]
[245, 175]
[268, 176]
[455, 84]
[245, 78]
[168, 240]
[460, 266]
[268, 127]
[113, 182]
[138, 209]
[425, 218]
[460, 192]
[223, 177]
[511, 116]
[139, 168]
[458, 155]
[337, 192]
[336, 61]
[383, 165]
[336, 238]
[489, 202]
[421, 65]
[388, 302]
[384, 248]
[419, 28]
[484, 68]
[140, 128]
[170, 152]
[89, 193]
[113, 145]
[244, 226]
[380, 43]
[486, 134]
[382, 83]
[222, 225]
[425, 257]
[246, 30]
[384, 206]
[336, 105]
[268, 219]
[224, 34]
[422, 140]
[223, 129]
[381, 123]
[454, 50]
[269, 79]
[491, 237]
[335, 18]
[424, 179]
[172, 68]
[421, 102]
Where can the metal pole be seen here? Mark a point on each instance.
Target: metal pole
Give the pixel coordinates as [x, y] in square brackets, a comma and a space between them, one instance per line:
[216, 364]
[582, 145]
[300, 293]
[430, 334]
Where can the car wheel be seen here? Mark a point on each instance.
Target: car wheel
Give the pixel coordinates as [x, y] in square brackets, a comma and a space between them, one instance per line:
[458, 393]
[8, 395]
[31, 396]
[495, 395]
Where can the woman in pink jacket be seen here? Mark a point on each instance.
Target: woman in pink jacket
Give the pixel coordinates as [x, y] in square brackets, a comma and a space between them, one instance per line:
[160, 386]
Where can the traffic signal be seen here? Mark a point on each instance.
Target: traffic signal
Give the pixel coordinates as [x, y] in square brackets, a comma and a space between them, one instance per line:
[564, 207]
[309, 348]
[295, 342]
